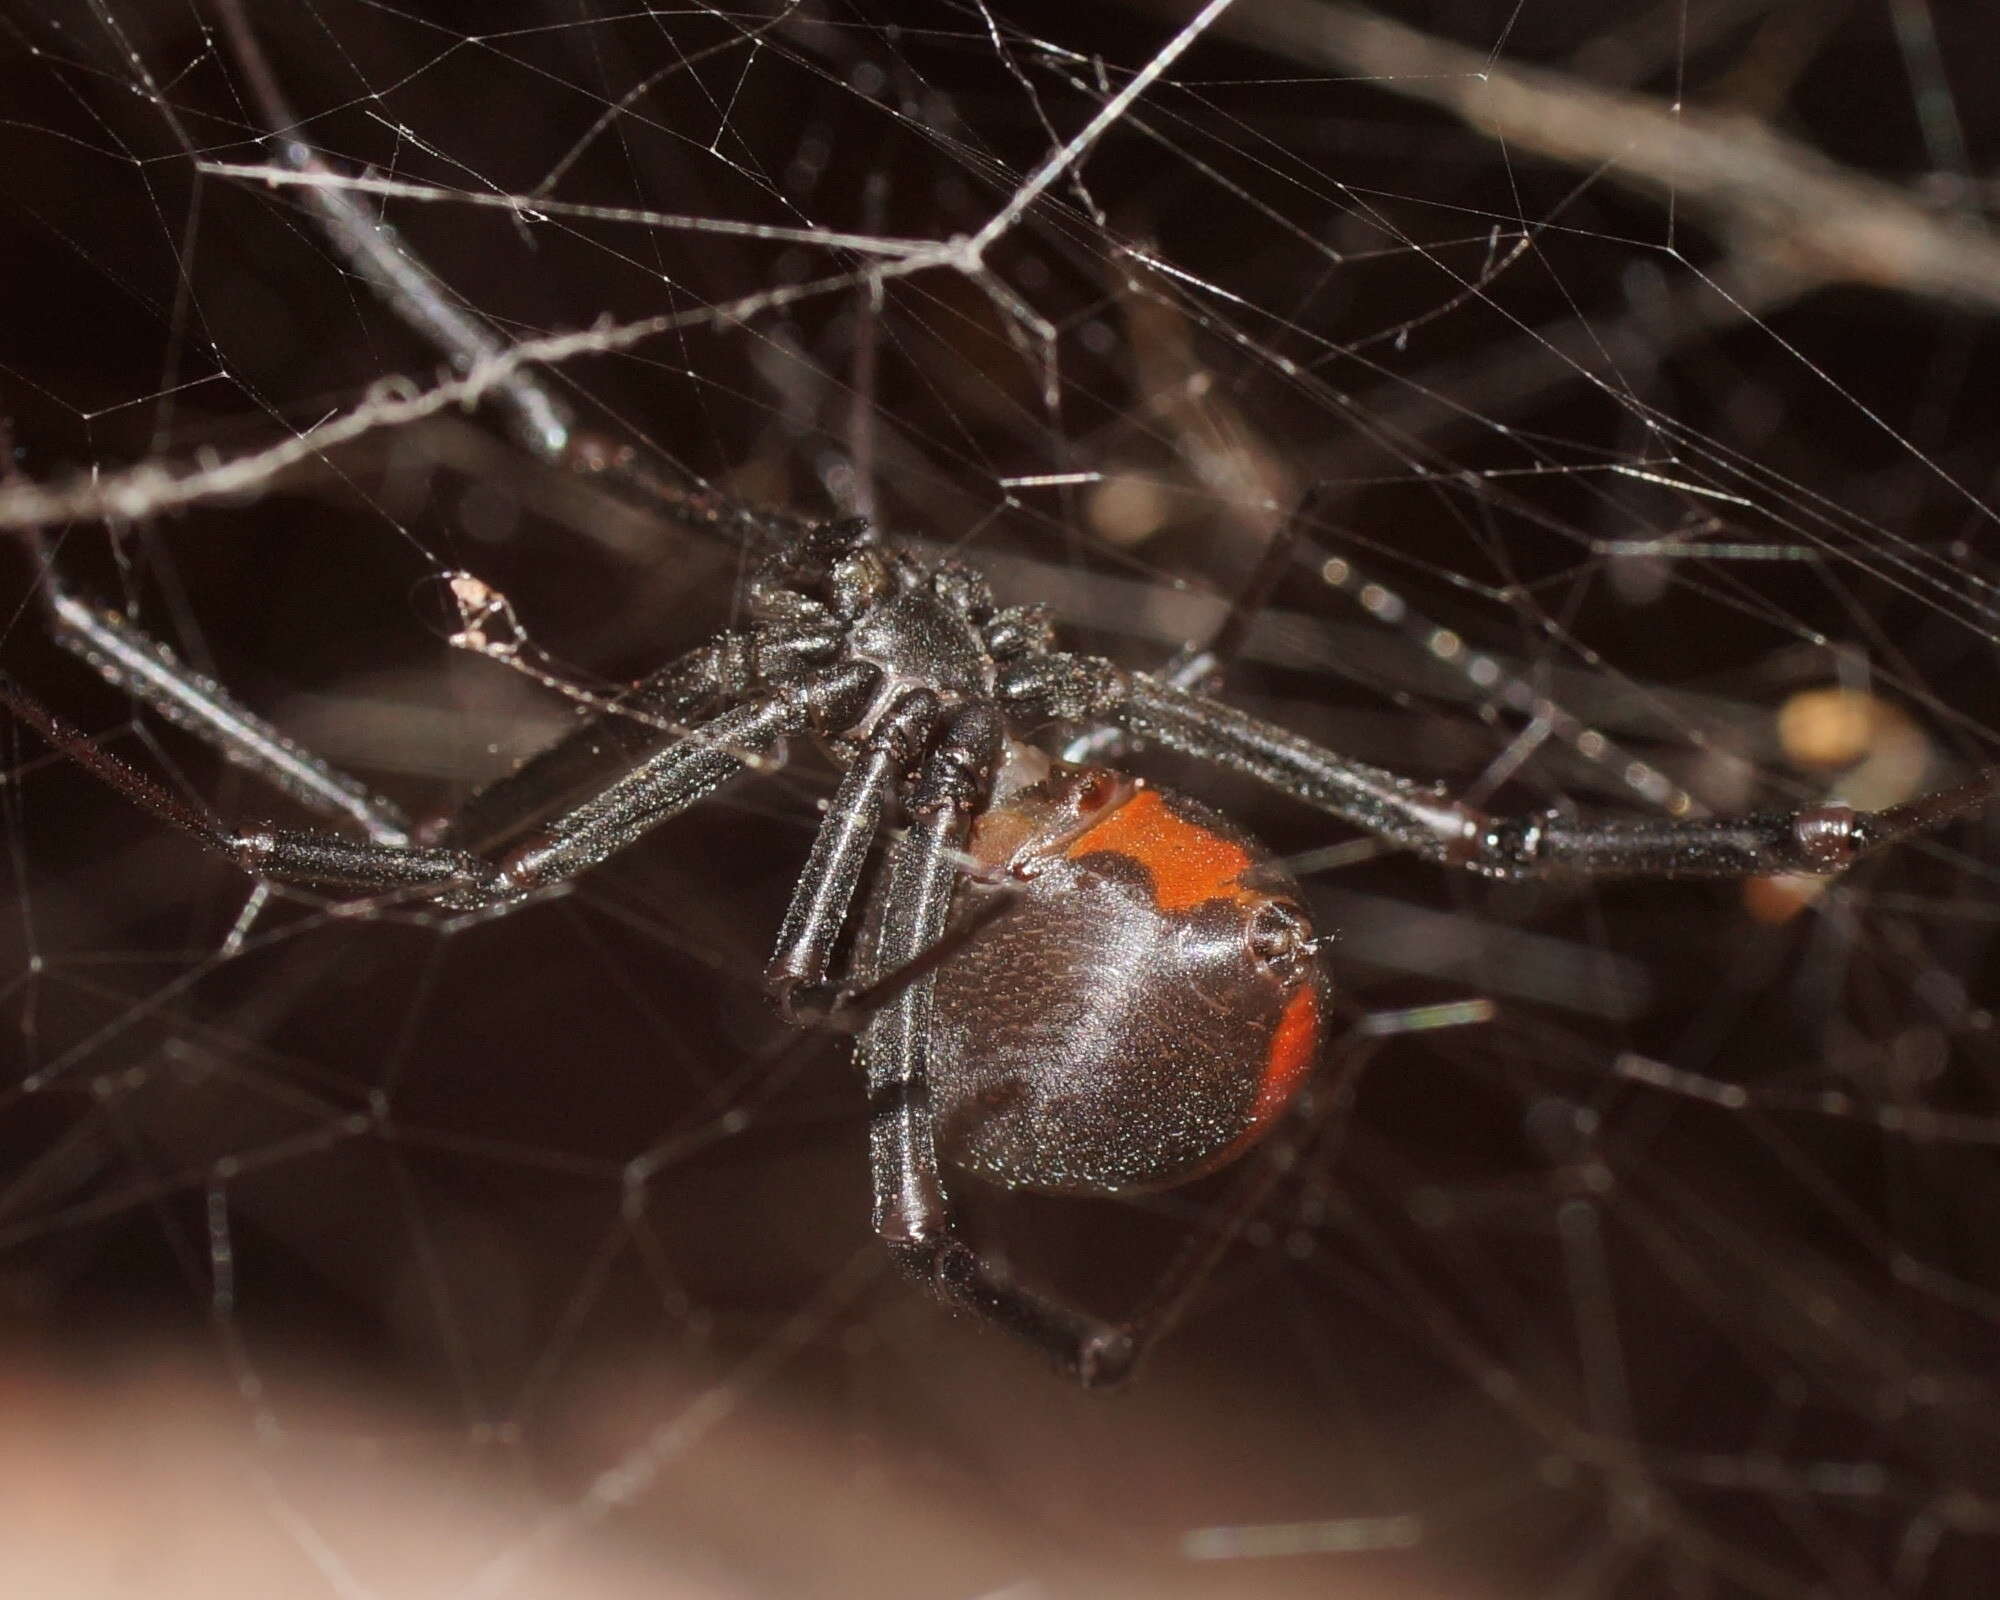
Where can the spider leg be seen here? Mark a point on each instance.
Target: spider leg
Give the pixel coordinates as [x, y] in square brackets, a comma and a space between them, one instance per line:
[148, 670]
[318, 858]
[824, 895]
[675, 774]
[641, 733]
[151, 673]
[649, 718]
[1425, 819]
[912, 1213]
[689, 769]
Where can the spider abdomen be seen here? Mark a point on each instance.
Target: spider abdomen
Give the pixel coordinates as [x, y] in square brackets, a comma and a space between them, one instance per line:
[1143, 1012]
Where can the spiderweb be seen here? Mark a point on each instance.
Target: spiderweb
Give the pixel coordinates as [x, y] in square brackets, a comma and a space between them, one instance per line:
[1644, 359]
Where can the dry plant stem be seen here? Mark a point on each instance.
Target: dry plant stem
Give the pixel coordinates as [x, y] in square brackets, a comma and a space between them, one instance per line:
[1773, 200]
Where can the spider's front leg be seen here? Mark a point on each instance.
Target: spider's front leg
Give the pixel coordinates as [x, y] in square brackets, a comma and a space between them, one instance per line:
[549, 834]
[148, 670]
[320, 858]
[690, 768]
[1426, 820]
[610, 779]
[673, 777]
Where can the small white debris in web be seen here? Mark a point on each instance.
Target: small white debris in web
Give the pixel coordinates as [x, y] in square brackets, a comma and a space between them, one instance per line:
[488, 624]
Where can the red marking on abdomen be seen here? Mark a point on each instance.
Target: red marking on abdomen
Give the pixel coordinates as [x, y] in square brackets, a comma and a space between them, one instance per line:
[1294, 1049]
[1189, 864]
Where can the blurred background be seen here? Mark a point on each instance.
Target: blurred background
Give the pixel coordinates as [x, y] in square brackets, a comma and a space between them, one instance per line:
[1645, 357]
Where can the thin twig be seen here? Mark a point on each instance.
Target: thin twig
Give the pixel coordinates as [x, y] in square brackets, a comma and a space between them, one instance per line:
[1770, 197]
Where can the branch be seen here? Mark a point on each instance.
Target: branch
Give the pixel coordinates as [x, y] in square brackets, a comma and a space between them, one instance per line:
[1771, 198]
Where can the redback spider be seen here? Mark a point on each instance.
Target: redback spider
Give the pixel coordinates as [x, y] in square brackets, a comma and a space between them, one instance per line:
[1130, 995]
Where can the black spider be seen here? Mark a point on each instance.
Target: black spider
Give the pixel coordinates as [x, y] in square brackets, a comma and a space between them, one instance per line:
[1072, 981]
